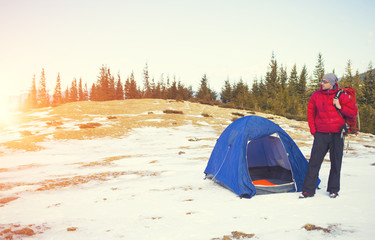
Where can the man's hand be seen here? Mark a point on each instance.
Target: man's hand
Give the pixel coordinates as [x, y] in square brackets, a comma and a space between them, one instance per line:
[336, 103]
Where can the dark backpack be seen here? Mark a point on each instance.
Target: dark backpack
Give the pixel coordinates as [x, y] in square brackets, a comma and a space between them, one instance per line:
[351, 123]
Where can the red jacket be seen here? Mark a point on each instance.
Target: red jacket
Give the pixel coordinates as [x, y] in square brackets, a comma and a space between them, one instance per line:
[323, 116]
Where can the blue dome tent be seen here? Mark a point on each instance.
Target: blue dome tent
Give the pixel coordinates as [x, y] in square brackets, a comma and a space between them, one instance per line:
[253, 155]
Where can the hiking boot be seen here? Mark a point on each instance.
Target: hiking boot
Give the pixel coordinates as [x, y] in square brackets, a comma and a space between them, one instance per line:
[306, 195]
[333, 194]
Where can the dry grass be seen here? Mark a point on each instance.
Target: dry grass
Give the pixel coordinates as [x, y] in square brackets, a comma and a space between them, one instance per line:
[5, 200]
[17, 231]
[21, 167]
[107, 161]
[206, 115]
[50, 184]
[332, 228]
[236, 235]
[312, 227]
[89, 125]
[168, 111]
[118, 118]
[27, 143]
[71, 229]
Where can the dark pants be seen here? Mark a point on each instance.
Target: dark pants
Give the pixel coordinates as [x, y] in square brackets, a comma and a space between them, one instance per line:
[322, 143]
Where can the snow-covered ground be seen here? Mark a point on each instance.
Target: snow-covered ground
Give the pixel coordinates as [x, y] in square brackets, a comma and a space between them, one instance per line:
[150, 184]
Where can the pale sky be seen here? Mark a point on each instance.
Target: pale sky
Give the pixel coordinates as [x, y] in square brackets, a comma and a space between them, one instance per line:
[186, 39]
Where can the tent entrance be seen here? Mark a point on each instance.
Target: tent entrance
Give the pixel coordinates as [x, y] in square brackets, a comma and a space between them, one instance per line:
[269, 166]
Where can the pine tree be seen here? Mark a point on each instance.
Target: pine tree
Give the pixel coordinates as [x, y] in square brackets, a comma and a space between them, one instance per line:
[241, 94]
[271, 81]
[164, 91]
[43, 97]
[32, 98]
[86, 92]
[73, 93]
[205, 93]
[357, 85]
[272, 85]
[183, 93]
[153, 88]
[103, 85]
[226, 92]
[57, 96]
[172, 91]
[292, 105]
[283, 92]
[94, 93]
[347, 80]
[127, 88]
[81, 96]
[302, 85]
[112, 87]
[119, 89]
[131, 91]
[367, 114]
[293, 81]
[262, 96]
[255, 88]
[158, 91]
[283, 75]
[318, 74]
[66, 95]
[146, 83]
[302, 91]
[302, 81]
[369, 87]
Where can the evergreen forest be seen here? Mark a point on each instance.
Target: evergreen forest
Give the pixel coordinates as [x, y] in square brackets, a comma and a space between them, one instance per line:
[280, 91]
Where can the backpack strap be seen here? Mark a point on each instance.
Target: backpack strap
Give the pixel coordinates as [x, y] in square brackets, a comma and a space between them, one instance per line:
[337, 96]
[338, 93]
[344, 129]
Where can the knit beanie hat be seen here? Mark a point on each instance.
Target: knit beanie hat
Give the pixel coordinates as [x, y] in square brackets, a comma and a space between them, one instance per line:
[331, 78]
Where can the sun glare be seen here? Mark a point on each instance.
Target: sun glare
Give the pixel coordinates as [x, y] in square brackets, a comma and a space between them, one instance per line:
[6, 111]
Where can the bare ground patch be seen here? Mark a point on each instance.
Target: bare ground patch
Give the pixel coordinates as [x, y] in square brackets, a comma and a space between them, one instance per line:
[169, 111]
[236, 235]
[331, 229]
[6, 200]
[77, 180]
[89, 125]
[107, 161]
[200, 158]
[21, 167]
[50, 184]
[27, 143]
[18, 231]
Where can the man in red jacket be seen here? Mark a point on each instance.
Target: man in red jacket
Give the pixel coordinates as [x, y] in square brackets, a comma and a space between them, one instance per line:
[325, 117]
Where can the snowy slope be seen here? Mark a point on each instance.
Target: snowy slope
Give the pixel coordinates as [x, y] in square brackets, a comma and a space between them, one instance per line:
[150, 184]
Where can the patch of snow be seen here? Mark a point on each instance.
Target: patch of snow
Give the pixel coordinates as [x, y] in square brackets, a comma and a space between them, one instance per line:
[43, 114]
[163, 194]
[203, 123]
[153, 120]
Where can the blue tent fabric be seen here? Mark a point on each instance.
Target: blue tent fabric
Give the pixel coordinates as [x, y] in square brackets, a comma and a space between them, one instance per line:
[228, 164]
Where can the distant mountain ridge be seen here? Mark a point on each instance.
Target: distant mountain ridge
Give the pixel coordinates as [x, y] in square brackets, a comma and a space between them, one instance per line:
[362, 75]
